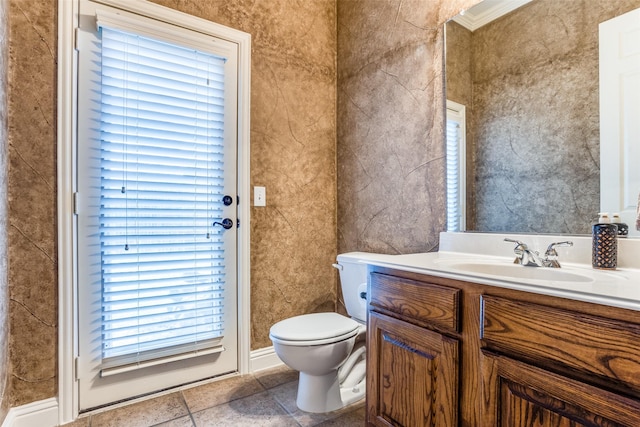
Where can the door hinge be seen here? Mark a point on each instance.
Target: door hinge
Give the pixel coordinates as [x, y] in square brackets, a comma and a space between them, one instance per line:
[75, 38]
[75, 203]
[76, 368]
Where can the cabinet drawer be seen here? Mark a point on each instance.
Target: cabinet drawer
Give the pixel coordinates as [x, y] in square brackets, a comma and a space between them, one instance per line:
[601, 350]
[416, 300]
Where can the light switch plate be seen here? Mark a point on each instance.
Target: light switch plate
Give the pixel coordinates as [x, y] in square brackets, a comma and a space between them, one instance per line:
[259, 196]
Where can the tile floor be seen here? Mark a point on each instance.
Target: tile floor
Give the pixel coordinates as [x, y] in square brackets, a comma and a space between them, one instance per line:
[266, 398]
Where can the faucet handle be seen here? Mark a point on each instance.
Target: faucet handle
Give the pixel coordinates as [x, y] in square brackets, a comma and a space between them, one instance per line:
[551, 249]
[551, 256]
[520, 246]
[519, 250]
[518, 242]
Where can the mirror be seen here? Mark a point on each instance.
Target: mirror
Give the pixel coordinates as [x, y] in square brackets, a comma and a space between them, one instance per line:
[529, 82]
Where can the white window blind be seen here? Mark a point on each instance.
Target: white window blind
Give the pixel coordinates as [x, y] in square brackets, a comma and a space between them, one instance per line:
[455, 153]
[162, 135]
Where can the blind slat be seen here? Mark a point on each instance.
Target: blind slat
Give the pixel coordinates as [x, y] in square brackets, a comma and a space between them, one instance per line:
[147, 174]
[123, 313]
[112, 133]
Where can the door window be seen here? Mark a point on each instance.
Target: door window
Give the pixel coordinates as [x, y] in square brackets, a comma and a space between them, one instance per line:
[156, 157]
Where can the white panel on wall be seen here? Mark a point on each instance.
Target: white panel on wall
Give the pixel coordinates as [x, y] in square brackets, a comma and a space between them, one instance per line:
[619, 112]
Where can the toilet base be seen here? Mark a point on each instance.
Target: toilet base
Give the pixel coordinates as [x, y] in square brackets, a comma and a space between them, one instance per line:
[319, 393]
[351, 395]
[354, 386]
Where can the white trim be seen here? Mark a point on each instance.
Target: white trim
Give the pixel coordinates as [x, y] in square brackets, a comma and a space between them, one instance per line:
[67, 407]
[264, 358]
[487, 11]
[244, 205]
[43, 413]
[67, 349]
[157, 30]
[457, 112]
[180, 19]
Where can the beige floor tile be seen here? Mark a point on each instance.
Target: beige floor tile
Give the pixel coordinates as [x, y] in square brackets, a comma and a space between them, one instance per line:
[354, 418]
[267, 398]
[219, 392]
[286, 395]
[274, 377]
[143, 414]
[258, 410]
[178, 422]
[80, 422]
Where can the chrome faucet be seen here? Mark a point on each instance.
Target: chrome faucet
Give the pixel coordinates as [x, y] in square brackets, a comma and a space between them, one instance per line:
[529, 258]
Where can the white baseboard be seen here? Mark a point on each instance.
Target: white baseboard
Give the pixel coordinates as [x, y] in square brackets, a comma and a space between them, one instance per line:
[264, 358]
[43, 413]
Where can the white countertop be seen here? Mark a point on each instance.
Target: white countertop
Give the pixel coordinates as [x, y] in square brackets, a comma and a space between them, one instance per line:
[618, 288]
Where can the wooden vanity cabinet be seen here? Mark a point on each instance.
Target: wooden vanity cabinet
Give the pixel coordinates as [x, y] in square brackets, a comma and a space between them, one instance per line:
[522, 395]
[417, 383]
[449, 353]
[548, 366]
[412, 371]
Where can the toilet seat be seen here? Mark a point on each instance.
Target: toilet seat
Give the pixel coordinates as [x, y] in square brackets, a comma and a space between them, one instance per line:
[314, 329]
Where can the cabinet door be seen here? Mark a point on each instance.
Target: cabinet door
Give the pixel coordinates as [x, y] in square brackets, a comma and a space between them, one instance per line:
[412, 375]
[519, 395]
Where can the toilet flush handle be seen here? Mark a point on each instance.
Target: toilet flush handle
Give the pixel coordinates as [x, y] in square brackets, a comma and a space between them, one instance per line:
[338, 266]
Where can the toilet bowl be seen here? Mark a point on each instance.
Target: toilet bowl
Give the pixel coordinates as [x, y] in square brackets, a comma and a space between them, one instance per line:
[328, 349]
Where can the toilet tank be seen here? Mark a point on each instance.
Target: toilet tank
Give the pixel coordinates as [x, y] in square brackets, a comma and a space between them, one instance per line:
[353, 279]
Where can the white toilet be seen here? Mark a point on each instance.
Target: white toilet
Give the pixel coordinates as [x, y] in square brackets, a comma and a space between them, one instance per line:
[327, 348]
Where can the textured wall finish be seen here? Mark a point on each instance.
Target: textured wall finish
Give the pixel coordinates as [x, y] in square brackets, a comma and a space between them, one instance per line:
[458, 63]
[32, 200]
[293, 88]
[535, 120]
[391, 189]
[4, 143]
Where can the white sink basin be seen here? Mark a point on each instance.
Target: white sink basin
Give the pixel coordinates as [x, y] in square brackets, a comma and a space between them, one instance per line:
[519, 271]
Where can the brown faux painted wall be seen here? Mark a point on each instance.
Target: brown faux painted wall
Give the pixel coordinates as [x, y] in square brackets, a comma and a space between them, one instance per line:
[458, 63]
[535, 122]
[4, 142]
[391, 189]
[32, 200]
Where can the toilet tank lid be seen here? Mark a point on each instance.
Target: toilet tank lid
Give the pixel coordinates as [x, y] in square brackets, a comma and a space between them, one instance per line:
[315, 326]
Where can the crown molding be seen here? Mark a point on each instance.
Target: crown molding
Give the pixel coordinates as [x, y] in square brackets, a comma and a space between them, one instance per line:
[487, 11]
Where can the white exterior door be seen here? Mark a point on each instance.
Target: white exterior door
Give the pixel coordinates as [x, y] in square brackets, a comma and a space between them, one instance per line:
[620, 116]
[156, 261]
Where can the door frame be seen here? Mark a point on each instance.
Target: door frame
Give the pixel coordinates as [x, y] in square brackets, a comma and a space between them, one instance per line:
[68, 403]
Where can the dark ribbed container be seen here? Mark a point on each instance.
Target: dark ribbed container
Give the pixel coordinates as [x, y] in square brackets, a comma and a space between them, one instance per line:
[605, 247]
[623, 229]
